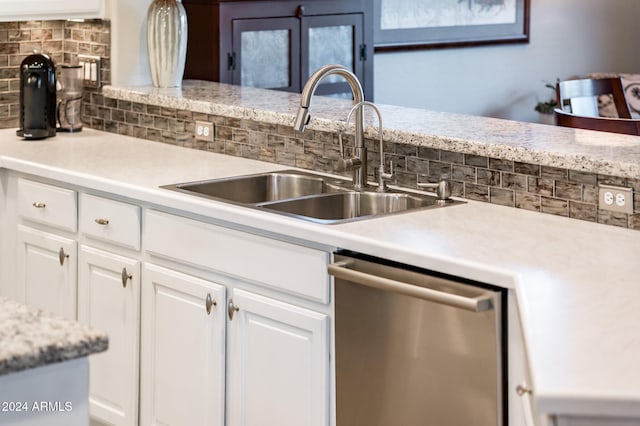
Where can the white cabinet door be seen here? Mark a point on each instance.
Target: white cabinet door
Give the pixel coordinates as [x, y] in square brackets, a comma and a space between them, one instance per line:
[47, 271]
[183, 346]
[16, 10]
[278, 363]
[109, 300]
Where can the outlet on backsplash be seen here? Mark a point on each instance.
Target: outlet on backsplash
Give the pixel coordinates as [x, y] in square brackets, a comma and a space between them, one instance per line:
[91, 66]
[615, 198]
[203, 131]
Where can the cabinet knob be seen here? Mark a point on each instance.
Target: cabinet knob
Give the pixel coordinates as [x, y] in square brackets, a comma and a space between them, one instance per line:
[525, 393]
[101, 221]
[231, 309]
[522, 390]
[39, 205]
[209, 303]
[125, 277]
[62, 256]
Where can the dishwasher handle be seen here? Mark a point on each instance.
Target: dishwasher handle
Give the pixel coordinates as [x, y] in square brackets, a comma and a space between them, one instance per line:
[479, 303]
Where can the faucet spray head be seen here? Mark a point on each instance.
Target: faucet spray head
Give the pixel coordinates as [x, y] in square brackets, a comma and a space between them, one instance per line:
[302, 119]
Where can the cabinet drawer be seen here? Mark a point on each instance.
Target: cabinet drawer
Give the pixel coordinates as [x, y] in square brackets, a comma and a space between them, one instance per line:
[110, 220]
[48, 204]
[295, 269]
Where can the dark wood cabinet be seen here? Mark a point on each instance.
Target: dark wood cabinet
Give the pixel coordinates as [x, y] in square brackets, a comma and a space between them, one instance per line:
[278, 44]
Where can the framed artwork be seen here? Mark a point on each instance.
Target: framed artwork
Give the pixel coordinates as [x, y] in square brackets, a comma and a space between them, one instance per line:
[425, 24]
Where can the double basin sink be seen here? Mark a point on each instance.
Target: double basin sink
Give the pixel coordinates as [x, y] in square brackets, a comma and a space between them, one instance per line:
[307, 196]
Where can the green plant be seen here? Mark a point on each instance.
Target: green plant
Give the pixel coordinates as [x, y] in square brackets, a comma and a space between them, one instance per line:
[548, 106]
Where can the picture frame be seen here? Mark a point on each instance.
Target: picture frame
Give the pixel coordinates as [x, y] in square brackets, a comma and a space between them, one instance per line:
[430, 24]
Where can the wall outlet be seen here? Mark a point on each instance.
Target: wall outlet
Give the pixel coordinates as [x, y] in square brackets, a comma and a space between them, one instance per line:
[615, 198]
[203, 131]
[91, 74]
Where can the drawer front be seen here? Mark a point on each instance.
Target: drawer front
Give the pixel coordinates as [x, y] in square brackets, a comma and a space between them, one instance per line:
[109, 220]
[48, 204]
[295, 269]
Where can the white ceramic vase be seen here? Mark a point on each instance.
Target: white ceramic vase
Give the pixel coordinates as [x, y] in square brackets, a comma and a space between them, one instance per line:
[166, 42]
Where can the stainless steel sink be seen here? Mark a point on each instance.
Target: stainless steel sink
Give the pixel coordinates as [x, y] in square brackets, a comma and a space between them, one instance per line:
[261, 188]
[308, 196]
[331, 208]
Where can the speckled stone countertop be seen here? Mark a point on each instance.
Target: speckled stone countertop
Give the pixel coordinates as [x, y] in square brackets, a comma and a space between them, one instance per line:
[32, 338]
[576, 149]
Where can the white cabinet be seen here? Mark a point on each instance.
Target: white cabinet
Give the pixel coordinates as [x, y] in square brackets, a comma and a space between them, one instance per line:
[278, 359]
[277, 362]
[111, 221]
[176, 355]
[20, 10]
[267, 261]
[182, 362]
[46, 248]
[109, 300]
[47, 271]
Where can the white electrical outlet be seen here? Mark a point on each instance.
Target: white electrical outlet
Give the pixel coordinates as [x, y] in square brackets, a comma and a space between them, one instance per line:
[615, 198]
[91, 74]
[203, 131]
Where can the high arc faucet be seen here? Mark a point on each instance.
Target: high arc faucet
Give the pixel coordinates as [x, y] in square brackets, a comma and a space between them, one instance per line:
[382, 175]
[303, 117]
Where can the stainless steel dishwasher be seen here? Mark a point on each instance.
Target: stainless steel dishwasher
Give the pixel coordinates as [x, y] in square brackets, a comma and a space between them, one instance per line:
[416, 348]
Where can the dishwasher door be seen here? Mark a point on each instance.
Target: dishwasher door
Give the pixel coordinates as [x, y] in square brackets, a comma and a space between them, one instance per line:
[416, 349]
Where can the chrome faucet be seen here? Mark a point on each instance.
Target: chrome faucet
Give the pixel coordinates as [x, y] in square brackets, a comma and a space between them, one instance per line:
[360, 152]
[383, 176]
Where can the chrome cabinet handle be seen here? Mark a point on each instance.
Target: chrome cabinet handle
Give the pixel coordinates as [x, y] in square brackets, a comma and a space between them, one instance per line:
[62, 256]
[39, 205]
[125, 277]
[209, 303]
[231, 309]
[474, 304]
[101, 221]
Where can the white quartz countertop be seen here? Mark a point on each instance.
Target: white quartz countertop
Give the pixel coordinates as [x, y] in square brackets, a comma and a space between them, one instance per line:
[577, 283]
[31, 338]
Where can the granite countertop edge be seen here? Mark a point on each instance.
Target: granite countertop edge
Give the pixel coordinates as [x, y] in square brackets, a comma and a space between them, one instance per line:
[33, 338]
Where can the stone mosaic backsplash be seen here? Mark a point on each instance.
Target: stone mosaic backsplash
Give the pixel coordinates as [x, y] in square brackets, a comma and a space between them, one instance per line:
[533, 187]
[62, 40]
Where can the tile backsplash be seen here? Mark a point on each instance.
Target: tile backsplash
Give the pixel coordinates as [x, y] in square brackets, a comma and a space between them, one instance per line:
[551, 190]
[62, 40]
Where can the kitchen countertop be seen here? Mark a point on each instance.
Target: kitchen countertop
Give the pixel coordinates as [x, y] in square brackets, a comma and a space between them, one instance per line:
[576, 282]
[31, 338]
[576, 149]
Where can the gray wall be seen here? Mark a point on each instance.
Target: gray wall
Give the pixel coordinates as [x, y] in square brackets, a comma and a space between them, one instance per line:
[567, 38]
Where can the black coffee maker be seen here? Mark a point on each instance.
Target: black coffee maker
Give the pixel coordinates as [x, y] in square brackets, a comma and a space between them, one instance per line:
[37, 97]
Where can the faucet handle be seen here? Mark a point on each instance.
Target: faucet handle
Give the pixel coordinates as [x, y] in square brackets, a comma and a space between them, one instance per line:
[346, 163]
[443, 189]
[383, 177]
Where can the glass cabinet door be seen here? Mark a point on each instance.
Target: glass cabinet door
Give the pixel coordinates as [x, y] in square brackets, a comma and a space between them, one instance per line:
[332, 39]
[266, 53]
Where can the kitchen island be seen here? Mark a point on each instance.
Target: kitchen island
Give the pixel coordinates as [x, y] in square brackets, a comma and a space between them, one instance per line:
[575, 282]
[44, 366]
